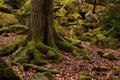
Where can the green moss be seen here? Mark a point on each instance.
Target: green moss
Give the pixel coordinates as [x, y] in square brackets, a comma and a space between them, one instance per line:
[86, 74]
[69, 48]
[22, 55]
[5, 34]
[1, 2]
[85, 54]
[44, 49]
[94, 40]
[10, 48]
[4, 30]
[86, 36]
[8, 19]
[51, 55]
[96, 31]
[100, 53]
[19, 28]
[103, 74]
[27, 8]
[109, 56]
[42, 76]
[40, 69]
[102, 68]
[100, 36]
[6, 72]
[4, 8]
[38, 57]
[1, 21]
[17, 64]
[48, 75]
[84, 78]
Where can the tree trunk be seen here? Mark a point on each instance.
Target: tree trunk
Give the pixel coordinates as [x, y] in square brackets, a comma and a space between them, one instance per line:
[42, 21]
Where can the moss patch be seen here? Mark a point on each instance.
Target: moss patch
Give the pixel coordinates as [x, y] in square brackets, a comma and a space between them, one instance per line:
[6, 72]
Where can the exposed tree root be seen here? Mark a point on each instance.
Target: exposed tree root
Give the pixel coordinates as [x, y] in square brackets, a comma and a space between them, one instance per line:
[40, 69]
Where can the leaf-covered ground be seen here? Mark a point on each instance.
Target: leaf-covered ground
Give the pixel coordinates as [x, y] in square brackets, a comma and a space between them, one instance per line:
[70, 68]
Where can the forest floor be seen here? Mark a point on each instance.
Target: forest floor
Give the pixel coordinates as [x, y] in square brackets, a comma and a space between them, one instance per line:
[70, 68]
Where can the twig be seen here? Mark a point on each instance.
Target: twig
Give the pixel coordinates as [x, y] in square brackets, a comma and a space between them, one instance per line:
[64, 5]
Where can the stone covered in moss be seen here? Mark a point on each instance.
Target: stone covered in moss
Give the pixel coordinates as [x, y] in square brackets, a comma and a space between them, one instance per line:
[6, 72]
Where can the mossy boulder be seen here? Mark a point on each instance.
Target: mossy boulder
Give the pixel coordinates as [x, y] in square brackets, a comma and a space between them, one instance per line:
[10, 48]
[42, 76]
[6, 72]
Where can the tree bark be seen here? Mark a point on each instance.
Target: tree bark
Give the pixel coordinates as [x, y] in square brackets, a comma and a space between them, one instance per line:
[42, 21]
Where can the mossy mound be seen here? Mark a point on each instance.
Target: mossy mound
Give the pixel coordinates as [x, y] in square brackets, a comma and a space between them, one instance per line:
[6, 72]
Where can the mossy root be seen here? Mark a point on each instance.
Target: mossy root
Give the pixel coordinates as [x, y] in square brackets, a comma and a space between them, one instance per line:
[39, 68]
